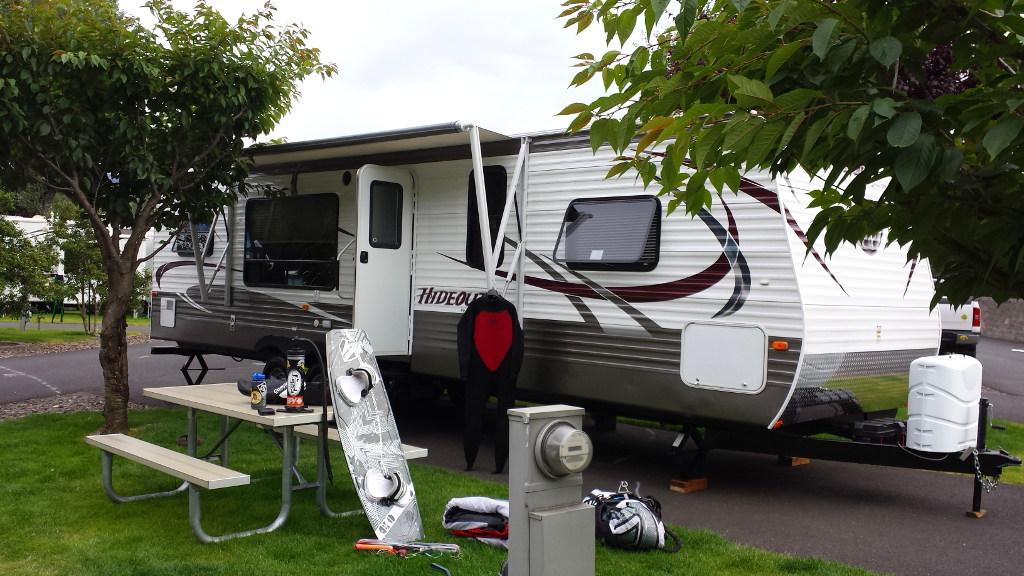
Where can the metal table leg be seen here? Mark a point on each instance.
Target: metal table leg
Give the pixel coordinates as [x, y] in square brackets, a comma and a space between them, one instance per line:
[287, 461]
[108, 484]
[321, 479]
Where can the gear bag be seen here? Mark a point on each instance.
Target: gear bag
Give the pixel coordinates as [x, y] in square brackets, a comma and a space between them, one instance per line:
[629, 521]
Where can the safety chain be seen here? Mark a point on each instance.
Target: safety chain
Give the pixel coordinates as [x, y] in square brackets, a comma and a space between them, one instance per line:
[989, 484]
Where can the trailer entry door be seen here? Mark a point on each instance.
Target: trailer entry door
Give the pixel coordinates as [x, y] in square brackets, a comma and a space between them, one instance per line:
[383, 300]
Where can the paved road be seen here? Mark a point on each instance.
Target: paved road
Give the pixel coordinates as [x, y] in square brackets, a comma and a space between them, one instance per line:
[25, 377]
[905, 522]
[1003, 377]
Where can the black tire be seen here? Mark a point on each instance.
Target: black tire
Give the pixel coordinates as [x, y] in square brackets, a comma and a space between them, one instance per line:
[276, 367]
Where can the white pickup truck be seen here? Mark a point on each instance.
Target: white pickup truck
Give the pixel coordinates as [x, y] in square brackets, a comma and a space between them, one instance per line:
[961, 328]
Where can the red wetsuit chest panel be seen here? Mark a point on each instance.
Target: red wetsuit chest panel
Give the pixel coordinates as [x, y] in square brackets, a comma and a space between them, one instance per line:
[492, 336]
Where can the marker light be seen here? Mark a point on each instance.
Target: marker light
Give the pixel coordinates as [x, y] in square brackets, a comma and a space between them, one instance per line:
[780, 345]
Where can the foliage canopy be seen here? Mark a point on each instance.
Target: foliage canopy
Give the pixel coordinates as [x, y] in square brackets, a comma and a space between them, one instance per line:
[140, 127]
[923, 96]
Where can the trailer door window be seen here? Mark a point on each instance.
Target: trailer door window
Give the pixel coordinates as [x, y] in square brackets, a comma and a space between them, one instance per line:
[622, 233]
[496, 187]
[292, 242]
[385, 215]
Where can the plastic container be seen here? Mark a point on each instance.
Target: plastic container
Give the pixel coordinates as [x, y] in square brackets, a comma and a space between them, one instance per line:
[258, 392]
[942, 408]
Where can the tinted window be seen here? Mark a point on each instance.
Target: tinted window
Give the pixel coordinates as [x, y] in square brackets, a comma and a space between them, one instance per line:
[610, 234]
[183, 241]
[496, 187]
[385, 215]
[292, 241]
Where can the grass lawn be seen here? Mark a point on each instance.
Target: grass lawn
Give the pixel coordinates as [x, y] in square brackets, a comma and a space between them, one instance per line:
[57, 520]
[1011, 440]
[72, 317]
[33, 335]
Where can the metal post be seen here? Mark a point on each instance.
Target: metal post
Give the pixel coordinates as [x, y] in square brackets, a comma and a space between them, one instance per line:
[976, 510]
[499, 241]
[321, 478]
[481, 204]
[229, 261]
[521, 268]
[287, 458]
[197, 253]
[225, 432]
[192, 426]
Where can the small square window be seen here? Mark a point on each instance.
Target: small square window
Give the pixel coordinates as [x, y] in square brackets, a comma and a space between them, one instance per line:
[183, 241]
[385, 215]
[622, 233]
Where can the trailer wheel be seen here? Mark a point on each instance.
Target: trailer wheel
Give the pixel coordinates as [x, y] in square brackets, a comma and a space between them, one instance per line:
[276, 367]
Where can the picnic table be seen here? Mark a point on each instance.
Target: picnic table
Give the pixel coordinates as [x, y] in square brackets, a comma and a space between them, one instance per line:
[286, 428]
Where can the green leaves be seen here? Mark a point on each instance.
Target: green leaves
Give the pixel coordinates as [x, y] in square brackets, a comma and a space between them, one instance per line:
[740, 5]
[857, 119]
[886, 50]
[685, 19]
[779, 57]
[831, 88]
[1000, 135]
[904, 130]
[575, 108]
[776, 14]
[825, 36]
[750, 93]
[913, 164]
[658, 8]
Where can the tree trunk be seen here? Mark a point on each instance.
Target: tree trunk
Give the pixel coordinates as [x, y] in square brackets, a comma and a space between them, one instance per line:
[114, 350]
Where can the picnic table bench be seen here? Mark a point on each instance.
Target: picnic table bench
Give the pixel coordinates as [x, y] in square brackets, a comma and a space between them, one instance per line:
[286, 429]
[309, 432]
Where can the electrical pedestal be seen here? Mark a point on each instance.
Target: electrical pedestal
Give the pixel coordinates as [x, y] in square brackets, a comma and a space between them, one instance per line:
[550, 532]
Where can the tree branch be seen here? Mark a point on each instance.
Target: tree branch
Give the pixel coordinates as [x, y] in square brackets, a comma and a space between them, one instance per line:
[163, 245]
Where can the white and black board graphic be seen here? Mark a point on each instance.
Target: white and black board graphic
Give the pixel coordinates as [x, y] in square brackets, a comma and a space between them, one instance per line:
[370, 438]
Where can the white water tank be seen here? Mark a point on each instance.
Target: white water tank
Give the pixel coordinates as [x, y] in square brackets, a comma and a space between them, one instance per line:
[942, 409]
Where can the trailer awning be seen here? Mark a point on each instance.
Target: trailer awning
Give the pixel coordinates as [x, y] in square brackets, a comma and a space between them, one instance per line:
[274, 157]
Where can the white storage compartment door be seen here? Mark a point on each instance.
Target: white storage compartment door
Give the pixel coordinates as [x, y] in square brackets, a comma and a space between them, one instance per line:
[727, 357]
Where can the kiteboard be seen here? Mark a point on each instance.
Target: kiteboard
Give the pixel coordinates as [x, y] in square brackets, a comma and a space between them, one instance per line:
[370, 438]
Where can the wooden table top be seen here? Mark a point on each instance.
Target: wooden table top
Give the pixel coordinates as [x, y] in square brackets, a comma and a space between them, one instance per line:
[225, 400]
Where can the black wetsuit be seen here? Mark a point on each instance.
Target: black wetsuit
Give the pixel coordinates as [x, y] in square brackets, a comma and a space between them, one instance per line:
[490, 343]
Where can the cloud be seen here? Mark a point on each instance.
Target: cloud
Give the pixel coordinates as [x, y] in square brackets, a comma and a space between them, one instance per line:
[501, 64]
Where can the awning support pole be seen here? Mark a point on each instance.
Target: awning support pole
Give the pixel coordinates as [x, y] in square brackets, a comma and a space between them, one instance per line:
[481, 204]
[509, 197]
[199, 253]
[520, 262]
[223, 254]
[229, 221]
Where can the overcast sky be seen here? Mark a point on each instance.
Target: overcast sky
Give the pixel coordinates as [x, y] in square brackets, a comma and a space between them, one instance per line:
[501, 64]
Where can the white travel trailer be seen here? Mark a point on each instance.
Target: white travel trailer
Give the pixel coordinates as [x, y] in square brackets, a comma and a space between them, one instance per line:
[728, 317]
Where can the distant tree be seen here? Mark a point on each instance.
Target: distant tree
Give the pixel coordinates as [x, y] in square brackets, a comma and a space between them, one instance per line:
[926, 94]
[84, 279]
[141, 127]
[140, 290]
[26, 268]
